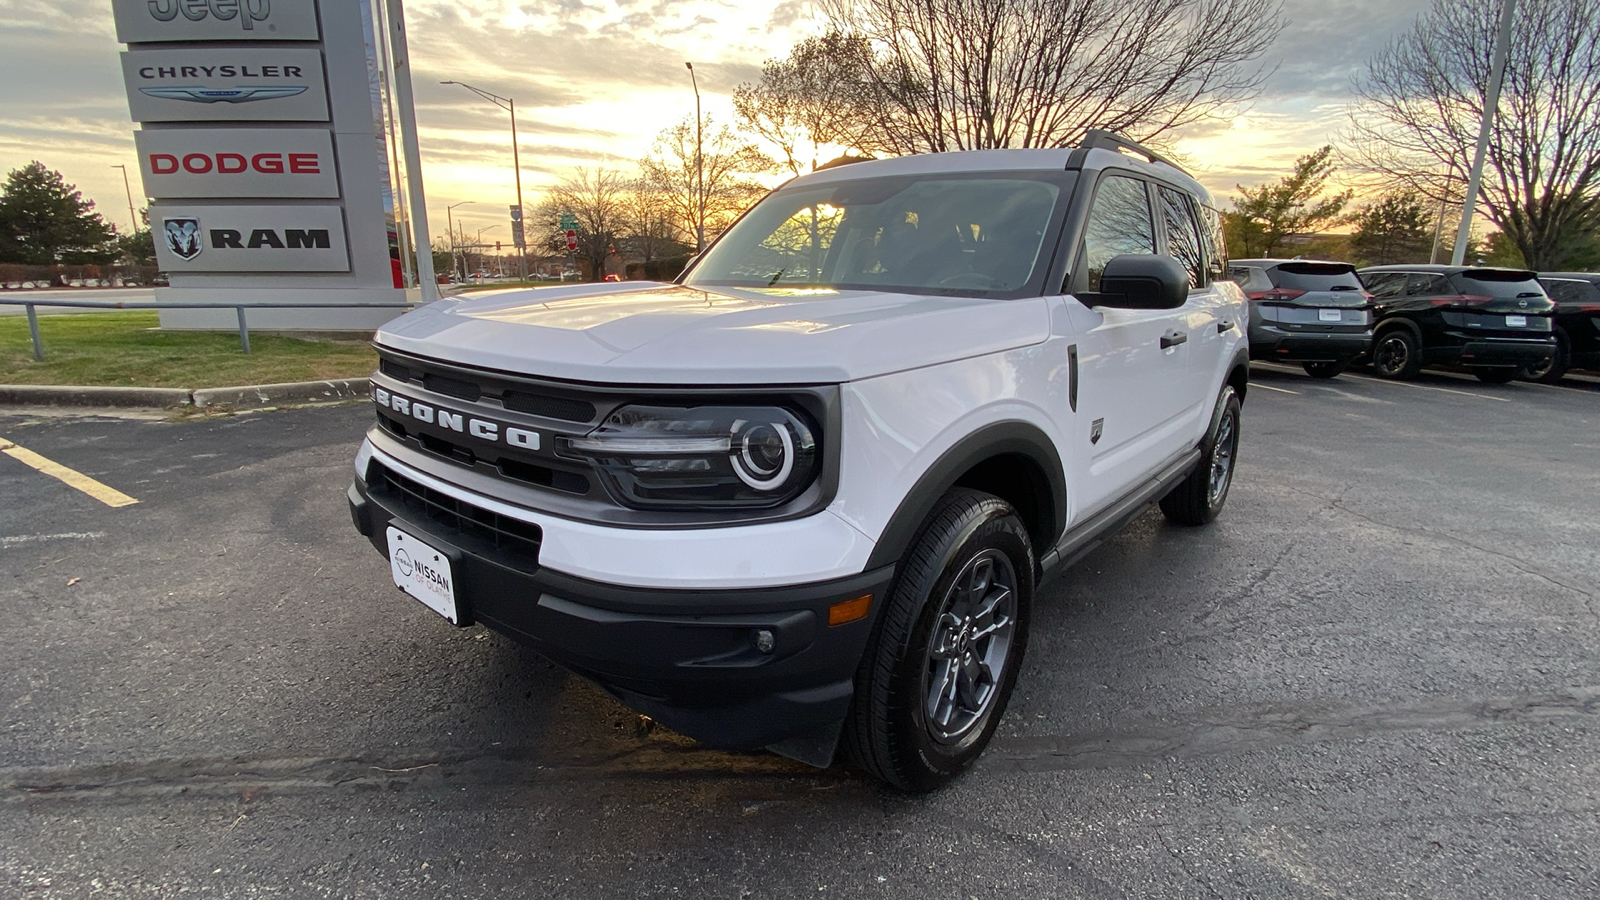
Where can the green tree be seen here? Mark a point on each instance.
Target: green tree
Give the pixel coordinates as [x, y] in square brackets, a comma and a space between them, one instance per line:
[1395, 228]
[44, 221]
[1265, 217]
[139, 246]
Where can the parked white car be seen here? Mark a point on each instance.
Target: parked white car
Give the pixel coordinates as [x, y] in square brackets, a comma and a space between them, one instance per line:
[802, 498]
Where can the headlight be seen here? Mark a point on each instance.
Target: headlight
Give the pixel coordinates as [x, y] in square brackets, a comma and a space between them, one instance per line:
[664, 457]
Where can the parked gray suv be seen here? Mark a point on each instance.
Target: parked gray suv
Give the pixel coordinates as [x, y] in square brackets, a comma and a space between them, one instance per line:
[1313, 313]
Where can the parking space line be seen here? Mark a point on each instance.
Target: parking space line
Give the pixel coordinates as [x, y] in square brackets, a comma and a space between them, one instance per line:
[108, 495]
[1428, 387]
[1268, 387]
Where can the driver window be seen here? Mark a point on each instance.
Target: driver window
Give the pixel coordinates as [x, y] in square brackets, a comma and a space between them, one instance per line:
[1119, 223]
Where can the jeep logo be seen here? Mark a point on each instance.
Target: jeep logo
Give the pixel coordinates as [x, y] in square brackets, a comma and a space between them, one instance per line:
[248, 12]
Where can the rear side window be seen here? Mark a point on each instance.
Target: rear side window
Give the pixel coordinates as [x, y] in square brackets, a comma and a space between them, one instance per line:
[1119, 223]
[1310, 276]
[1419, 284]
[1489, 283]
[1183, 234]
[1566, 291]
[1216, 245]
[1385, 285]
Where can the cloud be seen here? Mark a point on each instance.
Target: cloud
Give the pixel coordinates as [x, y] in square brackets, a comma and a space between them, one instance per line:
[1324, 43]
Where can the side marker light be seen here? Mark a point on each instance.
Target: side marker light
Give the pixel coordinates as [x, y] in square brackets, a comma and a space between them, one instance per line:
[849, 610]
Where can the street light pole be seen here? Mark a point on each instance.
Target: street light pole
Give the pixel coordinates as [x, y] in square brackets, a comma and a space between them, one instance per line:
[450, 224]
[132, 216]
[699, 170]
[509, 106]
[1491, 104]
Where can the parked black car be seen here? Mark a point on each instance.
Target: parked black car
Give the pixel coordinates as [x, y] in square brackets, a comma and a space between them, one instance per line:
[1495, 321]
[1310, 312]
[1577, 299]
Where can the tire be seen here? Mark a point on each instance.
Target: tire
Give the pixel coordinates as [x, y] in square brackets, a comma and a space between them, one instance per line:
[1395, 355]
[898, 729]
[1199, 497]
[1496, 374]
[1324, 369]
[1552, 370]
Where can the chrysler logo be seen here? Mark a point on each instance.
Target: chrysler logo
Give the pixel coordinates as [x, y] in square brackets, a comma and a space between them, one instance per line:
[183, 237]
[222, 95]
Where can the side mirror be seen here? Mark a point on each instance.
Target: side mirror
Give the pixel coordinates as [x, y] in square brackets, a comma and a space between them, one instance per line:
[1143, 281]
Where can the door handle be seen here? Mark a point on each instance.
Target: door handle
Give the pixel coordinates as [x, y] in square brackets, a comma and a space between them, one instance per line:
[1173, 339]
[1223, 326]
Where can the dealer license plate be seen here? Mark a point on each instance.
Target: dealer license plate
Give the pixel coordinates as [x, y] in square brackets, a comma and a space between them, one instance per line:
[423, 572]
[1516, 321]
[1329, 315]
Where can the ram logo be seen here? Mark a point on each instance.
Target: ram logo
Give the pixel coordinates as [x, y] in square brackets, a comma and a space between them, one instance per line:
[183, 237]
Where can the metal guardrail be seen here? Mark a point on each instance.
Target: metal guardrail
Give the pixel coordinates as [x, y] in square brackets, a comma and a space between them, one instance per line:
[239, 308]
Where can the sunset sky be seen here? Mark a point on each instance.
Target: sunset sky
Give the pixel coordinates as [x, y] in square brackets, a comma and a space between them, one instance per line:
[596, 80]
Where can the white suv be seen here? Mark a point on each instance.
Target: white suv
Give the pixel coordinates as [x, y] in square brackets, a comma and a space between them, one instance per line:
[802, 497]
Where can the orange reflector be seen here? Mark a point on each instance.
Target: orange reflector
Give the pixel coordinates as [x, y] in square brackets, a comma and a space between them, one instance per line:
[849, 610]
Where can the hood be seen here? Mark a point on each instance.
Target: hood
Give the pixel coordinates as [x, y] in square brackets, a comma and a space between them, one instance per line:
[650, 333]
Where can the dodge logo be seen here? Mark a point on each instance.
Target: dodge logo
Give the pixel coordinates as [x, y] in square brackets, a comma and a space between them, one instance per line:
[183, 237]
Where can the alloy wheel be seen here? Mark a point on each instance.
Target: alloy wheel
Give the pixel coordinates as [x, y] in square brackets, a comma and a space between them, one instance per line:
[970, 646]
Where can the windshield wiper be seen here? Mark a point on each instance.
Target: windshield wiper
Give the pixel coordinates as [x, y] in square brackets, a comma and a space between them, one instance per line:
[776, 277]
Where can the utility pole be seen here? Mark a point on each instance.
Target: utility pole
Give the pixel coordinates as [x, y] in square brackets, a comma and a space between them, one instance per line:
[699, 170]
[510, 106]
[1491, 104]
[132, 216]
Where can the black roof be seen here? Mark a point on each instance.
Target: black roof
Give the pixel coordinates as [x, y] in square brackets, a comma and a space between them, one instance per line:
[1591, 277]
[1267, 261]
[1440, 269]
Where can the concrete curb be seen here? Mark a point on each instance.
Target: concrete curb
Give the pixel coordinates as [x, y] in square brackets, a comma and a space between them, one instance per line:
[243, 397]
[70, 395]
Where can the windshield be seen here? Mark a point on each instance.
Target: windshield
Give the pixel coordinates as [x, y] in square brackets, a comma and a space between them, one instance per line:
[977, 236]
[1500, 284]
[1316, 277]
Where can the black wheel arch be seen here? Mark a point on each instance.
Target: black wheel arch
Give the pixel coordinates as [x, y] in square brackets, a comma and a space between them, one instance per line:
[1014, 460]
[1394, 322]
[1239, 372]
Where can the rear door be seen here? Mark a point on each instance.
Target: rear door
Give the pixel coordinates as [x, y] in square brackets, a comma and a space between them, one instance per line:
[1180, 223]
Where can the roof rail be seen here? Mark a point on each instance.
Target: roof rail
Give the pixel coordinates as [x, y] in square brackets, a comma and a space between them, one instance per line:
[1097, 138]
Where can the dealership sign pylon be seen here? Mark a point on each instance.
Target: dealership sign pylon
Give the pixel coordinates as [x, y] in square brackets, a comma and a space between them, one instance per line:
[267, 139]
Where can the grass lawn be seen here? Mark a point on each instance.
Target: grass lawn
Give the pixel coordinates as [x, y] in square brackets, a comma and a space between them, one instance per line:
[120, 349]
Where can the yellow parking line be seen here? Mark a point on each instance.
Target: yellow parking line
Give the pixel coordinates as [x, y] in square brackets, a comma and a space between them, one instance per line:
[107, 495]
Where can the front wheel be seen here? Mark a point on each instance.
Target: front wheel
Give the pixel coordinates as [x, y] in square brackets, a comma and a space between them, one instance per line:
[934, 682]
[1199, 497]
[1324, 369]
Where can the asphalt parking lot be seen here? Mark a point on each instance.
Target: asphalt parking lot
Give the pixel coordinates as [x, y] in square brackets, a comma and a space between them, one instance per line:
[1375, 676]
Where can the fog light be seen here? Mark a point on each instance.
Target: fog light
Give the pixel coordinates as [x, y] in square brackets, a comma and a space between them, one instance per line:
[764, 641]
[849, 610]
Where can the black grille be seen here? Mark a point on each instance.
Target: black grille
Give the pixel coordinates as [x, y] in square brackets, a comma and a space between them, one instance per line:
[550, 407]
[451, 387]
[394, 370]
[456, 517]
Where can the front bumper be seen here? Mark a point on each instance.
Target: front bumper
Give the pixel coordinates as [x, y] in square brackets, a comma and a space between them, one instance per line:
[1268, 342]
[694, 660]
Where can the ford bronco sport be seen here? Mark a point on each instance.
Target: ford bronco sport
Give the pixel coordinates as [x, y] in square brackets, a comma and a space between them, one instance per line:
[801, 498]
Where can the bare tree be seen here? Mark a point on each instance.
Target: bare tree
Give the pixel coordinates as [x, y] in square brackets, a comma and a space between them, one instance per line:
[725, 190]
[1421, 101]
[820, 94]
[975, 74]
[598, 200]
[648, 223]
